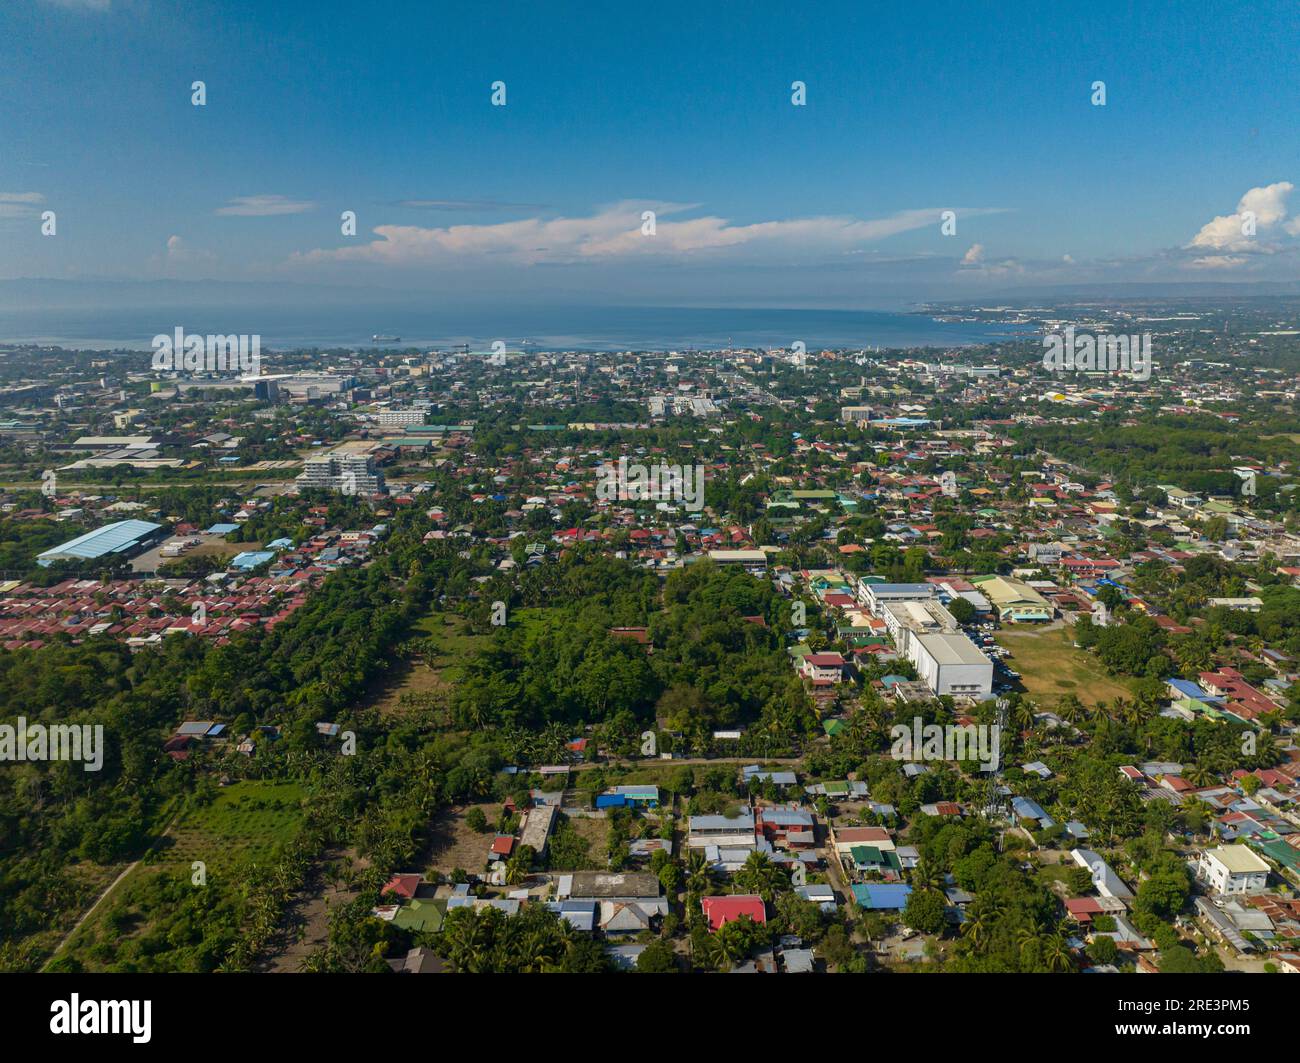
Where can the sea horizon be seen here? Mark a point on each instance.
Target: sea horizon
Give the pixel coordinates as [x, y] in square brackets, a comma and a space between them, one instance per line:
[545, 328]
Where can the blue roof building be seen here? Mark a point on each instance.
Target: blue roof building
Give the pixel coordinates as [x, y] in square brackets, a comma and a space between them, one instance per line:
[881, 895]
[1187, 689]
[250, 559]
[629, 797]
[1024, 808]
[122, 537]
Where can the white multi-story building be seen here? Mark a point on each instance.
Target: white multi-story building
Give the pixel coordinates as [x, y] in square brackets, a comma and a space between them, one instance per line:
[951, 664]
[925, 617]
[1232, 869]
[945, 659]
[397, 418]
[350, 474]
[875, 595]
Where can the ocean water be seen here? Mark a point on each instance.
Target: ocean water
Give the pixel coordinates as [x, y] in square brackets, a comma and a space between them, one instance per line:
[544, 328]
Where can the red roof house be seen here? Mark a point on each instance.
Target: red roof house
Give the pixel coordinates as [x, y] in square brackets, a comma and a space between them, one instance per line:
[402, 885]
[722, 910]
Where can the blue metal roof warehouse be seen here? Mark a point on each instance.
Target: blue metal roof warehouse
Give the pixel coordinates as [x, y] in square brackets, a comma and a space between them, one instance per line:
[110, 539]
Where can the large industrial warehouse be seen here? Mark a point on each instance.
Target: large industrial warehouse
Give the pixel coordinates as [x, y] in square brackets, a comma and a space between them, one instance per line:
[124, 537]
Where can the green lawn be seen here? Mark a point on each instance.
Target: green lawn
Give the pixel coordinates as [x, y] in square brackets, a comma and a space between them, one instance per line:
[453, 641]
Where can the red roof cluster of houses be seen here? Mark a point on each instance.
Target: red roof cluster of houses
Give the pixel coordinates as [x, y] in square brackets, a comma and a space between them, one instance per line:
[1243, 700]
[31, 615]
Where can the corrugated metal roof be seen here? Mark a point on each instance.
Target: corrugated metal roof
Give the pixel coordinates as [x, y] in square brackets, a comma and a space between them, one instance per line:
[112, 538]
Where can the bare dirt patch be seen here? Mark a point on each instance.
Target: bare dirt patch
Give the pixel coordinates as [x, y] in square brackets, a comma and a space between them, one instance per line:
[452, 844]
[307, 922]
[411, 687]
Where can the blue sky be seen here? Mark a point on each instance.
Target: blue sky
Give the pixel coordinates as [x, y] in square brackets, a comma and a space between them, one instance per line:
[685, 109]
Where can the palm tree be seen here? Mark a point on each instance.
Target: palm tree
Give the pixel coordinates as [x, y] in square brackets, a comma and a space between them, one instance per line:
[1266, 751]
[465, 941]
[1022, 715]
[1271, 720]
[1071, 709]
[1057, 951]
[977, 929]
[724, 950]
[1027, 938]
[540, 952]
[1124, 711]
[698, 878]
[517, 868]
[927, 875]
[759, 875]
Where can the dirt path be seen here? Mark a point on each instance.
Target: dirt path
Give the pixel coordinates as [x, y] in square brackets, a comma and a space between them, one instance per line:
[109, 889]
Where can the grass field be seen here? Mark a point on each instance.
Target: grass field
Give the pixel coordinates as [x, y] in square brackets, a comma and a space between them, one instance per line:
[429, 679]
[1050, 667]
[246, 823]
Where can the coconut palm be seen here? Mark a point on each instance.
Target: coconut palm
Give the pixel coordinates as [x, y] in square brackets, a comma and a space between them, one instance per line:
[1266, 751]
[1027, 939]
[517, 868]
[927, 875]
[759, 875]
[1022, 715]
[1071, 709]
[1056, 951]
[978, 928]
[698, 877]
[724, 950]
[1271, 720]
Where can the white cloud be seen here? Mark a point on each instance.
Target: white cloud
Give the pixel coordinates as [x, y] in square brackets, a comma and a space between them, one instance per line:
[264, 206]
[1218, 262]
[467, 205]
[1225, 232]
[615, 233]
[973, 263]
[179, 251]
[19, 204]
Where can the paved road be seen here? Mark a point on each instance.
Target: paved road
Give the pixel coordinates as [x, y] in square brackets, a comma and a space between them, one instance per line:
[688, 762]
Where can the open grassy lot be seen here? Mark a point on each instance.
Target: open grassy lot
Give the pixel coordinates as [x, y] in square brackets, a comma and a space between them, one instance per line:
[427, 681]
[1050, 667]
[246, 823]
[595, 832]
